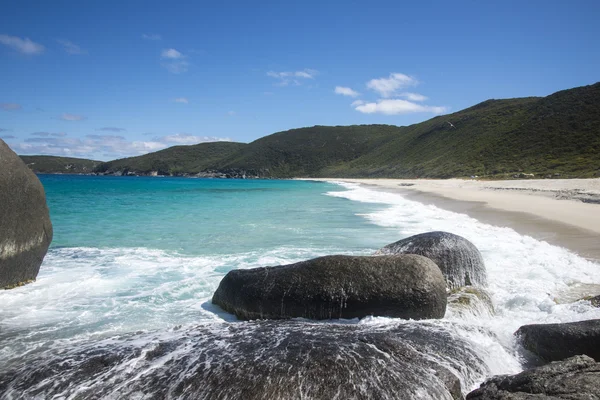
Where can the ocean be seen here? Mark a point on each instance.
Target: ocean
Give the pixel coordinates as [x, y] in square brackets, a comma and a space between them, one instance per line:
[136, 258]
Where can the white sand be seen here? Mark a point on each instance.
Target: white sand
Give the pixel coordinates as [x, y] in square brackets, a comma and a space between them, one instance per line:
[551, 199]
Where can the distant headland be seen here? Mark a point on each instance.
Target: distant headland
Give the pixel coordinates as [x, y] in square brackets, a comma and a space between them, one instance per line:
[557, 136]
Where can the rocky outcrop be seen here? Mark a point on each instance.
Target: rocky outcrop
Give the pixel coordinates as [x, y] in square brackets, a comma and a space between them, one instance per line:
[595, 301]
[554, 342]
[255, 360]
[577, 378]
[460, 261]
[407, 286]
[25, 227]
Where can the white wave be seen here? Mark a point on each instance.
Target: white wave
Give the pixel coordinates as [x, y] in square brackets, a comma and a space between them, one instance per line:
[525, 275]
[102, 291]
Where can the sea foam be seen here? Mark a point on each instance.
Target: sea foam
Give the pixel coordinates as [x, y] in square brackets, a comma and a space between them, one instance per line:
[526, 276]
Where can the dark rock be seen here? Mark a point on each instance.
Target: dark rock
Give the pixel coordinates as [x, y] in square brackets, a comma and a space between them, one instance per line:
[25, 227]
[254, 360]
[553, 342]
[407, 286]
[577, 378]
[460, 261]
[595, 301]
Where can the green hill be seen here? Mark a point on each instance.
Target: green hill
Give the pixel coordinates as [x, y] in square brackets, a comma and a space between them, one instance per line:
[176, 160]
[308, 151]
[64, 165]
[557, 135]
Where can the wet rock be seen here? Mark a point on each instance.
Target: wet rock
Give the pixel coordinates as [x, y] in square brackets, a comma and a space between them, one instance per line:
[254, 360]
[554, 342]
[471, 300]
[460, 261]
[595, 301]
[407, 286]
[577, 378]
[25, 227]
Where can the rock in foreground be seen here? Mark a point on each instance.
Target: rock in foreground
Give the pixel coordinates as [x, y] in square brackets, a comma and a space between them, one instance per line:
[407, 286]
[577, 378]
[554, 342]
[25, 227]
[460, 261]
[254, 360]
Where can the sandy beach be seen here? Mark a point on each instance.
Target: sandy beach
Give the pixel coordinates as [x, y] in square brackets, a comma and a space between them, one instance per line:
[565, 212]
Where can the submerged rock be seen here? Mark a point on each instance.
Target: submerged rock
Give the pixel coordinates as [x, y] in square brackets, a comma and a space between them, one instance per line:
[25, 227]
[407, 286]
[595, 301]
[573, 379]
[460, 261]
[470, 300]
[554, 342]
[255, 360]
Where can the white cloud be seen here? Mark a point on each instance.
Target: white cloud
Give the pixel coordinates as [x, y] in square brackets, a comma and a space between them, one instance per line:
[111, 129]
[6, 137]
[356, 103]
[413, 96]
[46, 134]
[111, 146]
[172, 54]
[72, 117]
[10, 106]
[397, 106]
[25, 46]
[151, 36]
[71, 48]
[183, 138]
[175, 62]
[346, 91]
[183, 100]
[387, 87]
[292, 77]
[231, 113]
[178, 67]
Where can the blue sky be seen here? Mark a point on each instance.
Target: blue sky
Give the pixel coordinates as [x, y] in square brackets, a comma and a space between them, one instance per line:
[109, 79]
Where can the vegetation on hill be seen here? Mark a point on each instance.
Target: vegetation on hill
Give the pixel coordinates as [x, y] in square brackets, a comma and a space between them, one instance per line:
[175, 160]
[557, 135]
[60, 165]
[308, 151]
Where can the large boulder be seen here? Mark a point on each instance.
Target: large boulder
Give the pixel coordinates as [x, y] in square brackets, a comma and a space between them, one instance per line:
[269, 360]
[408, 286]
[460, 261]
[25, 227]
[577, 378]
[553, 342]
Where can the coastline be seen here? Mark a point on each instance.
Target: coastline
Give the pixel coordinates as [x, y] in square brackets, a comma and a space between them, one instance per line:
[562, 212]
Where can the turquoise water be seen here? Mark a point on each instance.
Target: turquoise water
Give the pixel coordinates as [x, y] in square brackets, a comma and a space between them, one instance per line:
[205, 216]
[143, 256]
[132, 253]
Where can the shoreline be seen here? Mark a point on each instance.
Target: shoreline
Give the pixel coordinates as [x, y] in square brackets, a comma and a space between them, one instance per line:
[565, 212]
